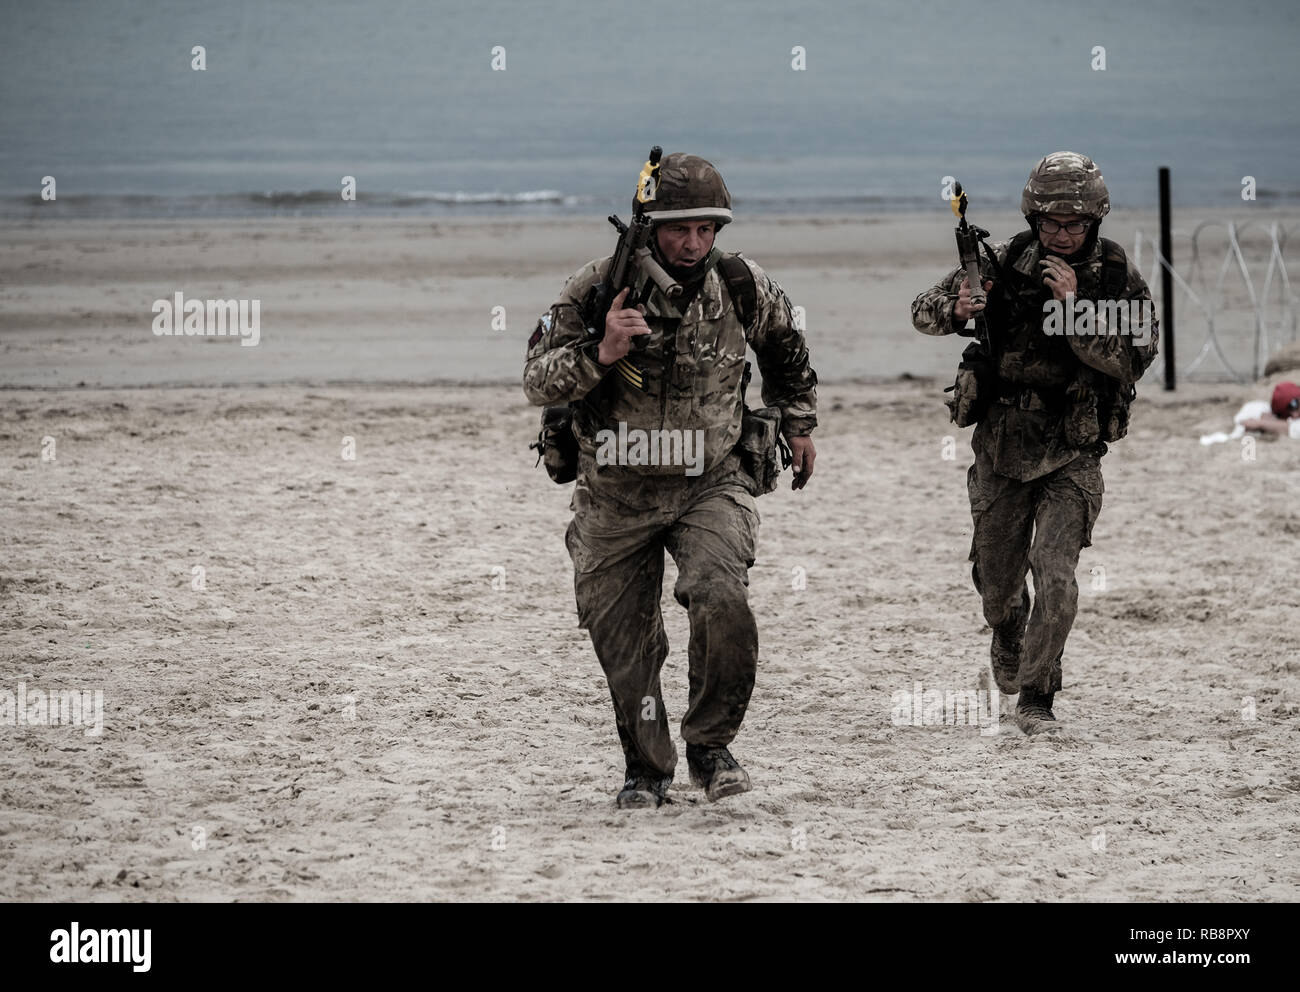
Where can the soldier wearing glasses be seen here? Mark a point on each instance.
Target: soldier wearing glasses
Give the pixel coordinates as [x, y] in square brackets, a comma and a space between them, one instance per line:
[1048, 403]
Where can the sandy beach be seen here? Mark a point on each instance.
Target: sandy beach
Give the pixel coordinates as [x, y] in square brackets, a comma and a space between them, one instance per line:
[415, 301]
[374, 688]
[381, 692]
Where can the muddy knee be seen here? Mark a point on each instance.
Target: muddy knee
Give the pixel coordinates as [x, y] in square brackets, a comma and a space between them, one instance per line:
[1002, 593]
[1053, 570]
[712, 588]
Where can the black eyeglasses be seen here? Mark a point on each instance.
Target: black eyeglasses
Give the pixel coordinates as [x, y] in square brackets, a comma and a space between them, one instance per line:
[1051, 226]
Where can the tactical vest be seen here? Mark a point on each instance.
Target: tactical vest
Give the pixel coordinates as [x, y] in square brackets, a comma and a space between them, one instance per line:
[1031, 367]
[557, 444]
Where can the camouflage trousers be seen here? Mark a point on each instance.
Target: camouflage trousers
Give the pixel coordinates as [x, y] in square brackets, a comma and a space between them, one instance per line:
[622, 525]
[1037, 527]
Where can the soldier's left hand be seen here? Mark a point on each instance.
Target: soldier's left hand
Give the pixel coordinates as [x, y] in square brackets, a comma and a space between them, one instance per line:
[1058, 277]
[803, 452]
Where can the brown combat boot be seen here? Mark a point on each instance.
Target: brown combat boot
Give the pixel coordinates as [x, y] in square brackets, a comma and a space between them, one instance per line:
[1034, 711]
[714, 770]
[642, 791]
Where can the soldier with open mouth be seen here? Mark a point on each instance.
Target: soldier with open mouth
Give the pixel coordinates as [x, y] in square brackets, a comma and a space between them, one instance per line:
[669, 356]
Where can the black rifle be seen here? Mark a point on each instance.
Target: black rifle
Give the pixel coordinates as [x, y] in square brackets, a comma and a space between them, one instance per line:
[976, 373]
[969, 239]
[633, 268]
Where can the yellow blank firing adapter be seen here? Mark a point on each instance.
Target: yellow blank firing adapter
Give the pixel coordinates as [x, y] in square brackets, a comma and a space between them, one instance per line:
[959, 201]
[648, 183]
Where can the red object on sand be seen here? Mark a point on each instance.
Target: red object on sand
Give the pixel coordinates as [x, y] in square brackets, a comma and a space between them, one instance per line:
[1285, 398]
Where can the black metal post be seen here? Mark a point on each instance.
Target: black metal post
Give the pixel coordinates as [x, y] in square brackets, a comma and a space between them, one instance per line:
[1166, 281]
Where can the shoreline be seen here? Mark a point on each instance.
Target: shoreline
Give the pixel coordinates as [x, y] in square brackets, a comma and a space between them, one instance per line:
[1289, 209]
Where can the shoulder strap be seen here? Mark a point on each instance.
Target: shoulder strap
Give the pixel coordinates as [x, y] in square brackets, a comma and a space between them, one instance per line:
[1006, 281]
[744, 297]
[1114, 270]
[740, 284]
[1004, 272]
[1017, 247]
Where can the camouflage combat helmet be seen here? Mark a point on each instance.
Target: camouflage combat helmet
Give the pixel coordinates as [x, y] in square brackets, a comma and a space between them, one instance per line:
[1065, 183]
[689, 189]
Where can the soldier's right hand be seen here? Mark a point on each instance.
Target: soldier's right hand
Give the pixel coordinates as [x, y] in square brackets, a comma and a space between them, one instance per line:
[620, 327]
[963, 310]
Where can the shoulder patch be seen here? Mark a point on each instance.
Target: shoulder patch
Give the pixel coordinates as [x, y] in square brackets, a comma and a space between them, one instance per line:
[543, 325]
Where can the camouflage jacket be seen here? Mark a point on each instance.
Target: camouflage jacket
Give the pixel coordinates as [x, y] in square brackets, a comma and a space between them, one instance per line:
[1042, 374]
[693, 366]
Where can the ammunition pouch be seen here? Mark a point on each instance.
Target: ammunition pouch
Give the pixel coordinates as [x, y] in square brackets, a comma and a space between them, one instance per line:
[1097, 410]
[1113, 411]
[556, 444]
[763, 452]
[974, 388]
